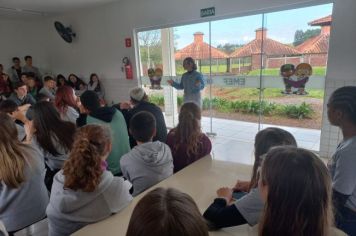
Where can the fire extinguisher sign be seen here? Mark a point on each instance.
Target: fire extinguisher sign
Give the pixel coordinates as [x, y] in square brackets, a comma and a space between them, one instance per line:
[128, 42]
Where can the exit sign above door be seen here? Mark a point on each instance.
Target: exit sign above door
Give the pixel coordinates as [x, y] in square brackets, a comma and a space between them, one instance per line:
[207, 12]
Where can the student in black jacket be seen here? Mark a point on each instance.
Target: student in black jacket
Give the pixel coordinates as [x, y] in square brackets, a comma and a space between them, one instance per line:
[139, 102]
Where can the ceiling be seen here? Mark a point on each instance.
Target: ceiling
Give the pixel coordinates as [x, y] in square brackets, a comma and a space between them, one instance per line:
[26, 8]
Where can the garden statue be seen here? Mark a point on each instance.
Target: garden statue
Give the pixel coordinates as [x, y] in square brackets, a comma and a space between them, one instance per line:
[303, 71]
[287, 71]
[155, 76]
[295, 78]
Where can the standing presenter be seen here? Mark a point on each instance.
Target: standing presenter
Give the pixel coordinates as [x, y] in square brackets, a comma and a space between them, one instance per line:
[192, 82]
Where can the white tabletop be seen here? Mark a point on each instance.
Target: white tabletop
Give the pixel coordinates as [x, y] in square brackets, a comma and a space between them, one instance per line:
[200, 180]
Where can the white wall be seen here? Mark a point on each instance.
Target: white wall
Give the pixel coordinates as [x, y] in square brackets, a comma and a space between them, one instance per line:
[101, 33]
[23, 37]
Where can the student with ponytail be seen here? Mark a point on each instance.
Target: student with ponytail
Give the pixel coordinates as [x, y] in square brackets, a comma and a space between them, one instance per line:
[84, 191]
[342, 165]
[187, 141]
[23, 195]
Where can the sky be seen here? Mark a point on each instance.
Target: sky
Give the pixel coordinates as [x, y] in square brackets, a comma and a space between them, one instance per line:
[281, 26]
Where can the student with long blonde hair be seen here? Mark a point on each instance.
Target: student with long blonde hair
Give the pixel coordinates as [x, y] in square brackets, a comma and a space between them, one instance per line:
[296, 188]
[187, 141]
[23, 194]
[84, 192]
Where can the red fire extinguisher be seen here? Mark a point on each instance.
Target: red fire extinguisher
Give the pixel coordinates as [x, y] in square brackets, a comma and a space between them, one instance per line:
[127, 67]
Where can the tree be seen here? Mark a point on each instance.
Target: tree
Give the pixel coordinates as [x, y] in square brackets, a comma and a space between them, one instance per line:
[150, 45]
[228, 48]
[300, 36]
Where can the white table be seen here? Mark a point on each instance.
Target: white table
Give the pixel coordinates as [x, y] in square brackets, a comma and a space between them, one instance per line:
[200, 180]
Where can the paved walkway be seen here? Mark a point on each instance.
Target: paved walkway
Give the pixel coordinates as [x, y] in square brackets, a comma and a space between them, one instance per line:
[234, 139]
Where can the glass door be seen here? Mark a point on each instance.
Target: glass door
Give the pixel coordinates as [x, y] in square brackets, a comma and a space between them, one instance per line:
[294, 62]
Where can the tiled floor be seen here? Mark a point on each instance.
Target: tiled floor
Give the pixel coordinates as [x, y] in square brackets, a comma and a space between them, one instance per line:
[234, 139]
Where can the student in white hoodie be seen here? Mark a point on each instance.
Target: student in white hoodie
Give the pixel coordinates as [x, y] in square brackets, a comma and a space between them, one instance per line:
[149, 162]
[84, 192]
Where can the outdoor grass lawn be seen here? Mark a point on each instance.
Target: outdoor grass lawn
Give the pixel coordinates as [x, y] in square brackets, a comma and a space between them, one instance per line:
[320, 71]
[253, 94]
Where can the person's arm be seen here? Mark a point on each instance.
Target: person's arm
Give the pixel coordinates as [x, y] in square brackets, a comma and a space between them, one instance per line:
[176, 85]
[339, 200]
[220, 215]
[199, 83]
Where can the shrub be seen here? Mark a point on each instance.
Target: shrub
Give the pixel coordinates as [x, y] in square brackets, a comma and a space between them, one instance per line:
[157, 99]
[301, 111]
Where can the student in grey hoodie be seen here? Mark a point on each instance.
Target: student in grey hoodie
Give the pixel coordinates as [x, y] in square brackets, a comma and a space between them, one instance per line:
[23, 195]
[149, 162]
[84, 192]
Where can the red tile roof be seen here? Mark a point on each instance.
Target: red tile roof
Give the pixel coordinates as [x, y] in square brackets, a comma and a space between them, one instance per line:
[270, 47]
[320, 43]
[317, 44]
[199, 50]
[322, 21]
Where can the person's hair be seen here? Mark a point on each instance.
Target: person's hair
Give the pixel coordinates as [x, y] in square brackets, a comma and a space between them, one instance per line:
[30, 75]
[188, 131]
[83, 169]
[50, 128]
[91, 81]
[42, 97]
[142, 126]
[58, 78]
[344, 99]
[167, 212]
[18, 84]
[12, 158]
[299, 193]
[27, 57]
[15, 59]
[90, 100]
[64, 98]
[191, 61]
[265, 140]
[8, 106]
[48, 78]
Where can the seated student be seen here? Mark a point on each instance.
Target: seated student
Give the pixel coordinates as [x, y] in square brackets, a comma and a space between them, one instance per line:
[61, 80]
[249, 208]
[20, 95]
[53, 136]
[5, 85]
[77, 84]
[29, 68]
[66, 104]
[112, 117]
[166, 212]
[342, 165]
[296, 188]
[96, 86]
[32, 87]
[187, 141]
[84, 191]
[149, 162]
[12, 109]
[15, 70]
[49, 87]
[23, 195]
[24, 77]
[139, 102]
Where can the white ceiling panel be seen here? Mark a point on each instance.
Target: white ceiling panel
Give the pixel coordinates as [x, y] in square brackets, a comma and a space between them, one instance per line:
[21, 8]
